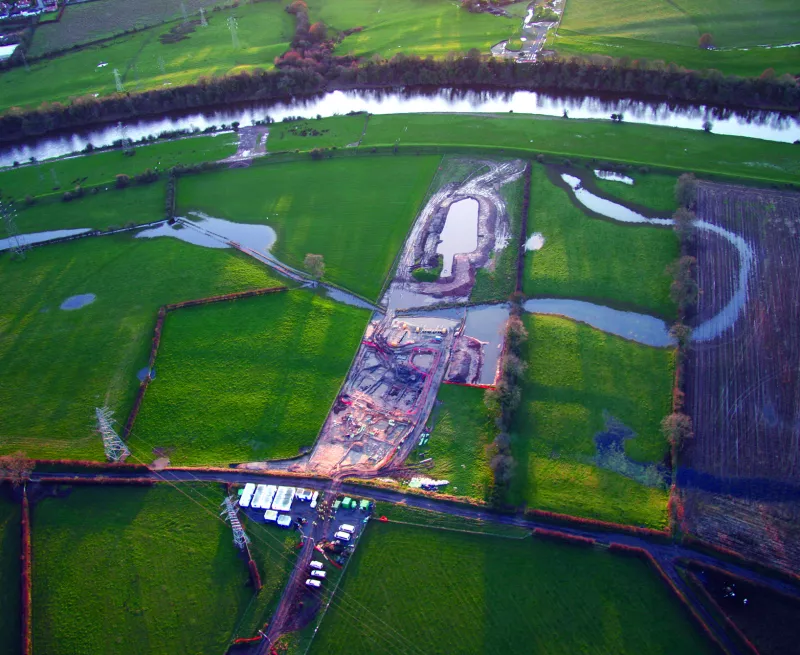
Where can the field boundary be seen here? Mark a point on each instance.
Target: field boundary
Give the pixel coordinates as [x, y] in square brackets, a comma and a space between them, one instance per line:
[523, 238]
[159, 326]
[26, 579]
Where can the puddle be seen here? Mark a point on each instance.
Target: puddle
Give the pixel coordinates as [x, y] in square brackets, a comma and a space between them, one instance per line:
[607, 207]
[460, 232]
[535, 241]
[39, 237]
[641, 328]
[210, 232]
[615, 177]
[142, 374]
[727, 316]
[347, 298]
[485, 323]
[76, 302]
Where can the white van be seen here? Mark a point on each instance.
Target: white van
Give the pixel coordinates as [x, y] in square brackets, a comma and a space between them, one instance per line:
[318, 574]
[342, 536]
[313, 583]
[346, 527]
[316, 565]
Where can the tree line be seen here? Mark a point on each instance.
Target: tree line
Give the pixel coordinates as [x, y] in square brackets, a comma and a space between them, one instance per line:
[314, 69]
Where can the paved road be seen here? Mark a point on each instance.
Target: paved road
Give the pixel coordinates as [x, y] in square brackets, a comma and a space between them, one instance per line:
[666, 554]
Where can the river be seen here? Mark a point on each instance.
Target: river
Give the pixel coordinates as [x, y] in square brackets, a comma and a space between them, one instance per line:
[770, 126]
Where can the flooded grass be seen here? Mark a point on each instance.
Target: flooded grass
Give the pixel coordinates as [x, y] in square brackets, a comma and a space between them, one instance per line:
[652, 190]
[575, 374]
[9, 574]
[354, 212]
[590, 258]
[182, 587]
[458, 444]
[59, 365]
[489, 594]
[247, 380]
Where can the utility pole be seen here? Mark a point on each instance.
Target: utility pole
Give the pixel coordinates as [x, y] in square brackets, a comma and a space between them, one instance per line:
[203, 20]
[115, 448]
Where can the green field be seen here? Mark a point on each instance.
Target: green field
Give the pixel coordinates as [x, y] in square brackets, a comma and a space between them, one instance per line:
[501, 282]
[102, 211]
[594, 259]
[420, 27]
[652, 190]
[264, 33]
[9, 574]
[575, 374]
[662, 147]
[144, 570]
[418, 590]
[670, 31]
[458, 444]
[53, 177]
[59, 365]
[247, 380]
[336, 131]
[354, 212]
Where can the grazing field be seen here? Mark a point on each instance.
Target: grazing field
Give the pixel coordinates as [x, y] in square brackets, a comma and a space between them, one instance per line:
[500, 282]
[354, 212]
[53, 177]
[412, 589]
[420, 27]
[651, 190]
[336, 131]
[9, 574]
[743, 385]
[665, 147]
[82, 23]
[666, 31]
[594, 259]
[577, 377]
[458, 444]
[103, 211]
[145, 62]
[251, 379]
[134, 570]
[59, 365]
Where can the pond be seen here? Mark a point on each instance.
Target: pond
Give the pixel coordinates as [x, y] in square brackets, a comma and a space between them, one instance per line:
[460, 232]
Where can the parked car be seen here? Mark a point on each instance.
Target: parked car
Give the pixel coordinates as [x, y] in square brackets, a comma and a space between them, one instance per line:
[346, 527]
[316, 565]
[313, 583]
[342, 536]
[318, 574]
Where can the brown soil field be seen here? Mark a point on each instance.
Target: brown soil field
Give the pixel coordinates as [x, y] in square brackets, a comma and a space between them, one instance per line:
[741, 472]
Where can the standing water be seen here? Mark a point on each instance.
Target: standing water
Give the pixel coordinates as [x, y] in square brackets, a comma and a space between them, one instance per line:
[460, 233]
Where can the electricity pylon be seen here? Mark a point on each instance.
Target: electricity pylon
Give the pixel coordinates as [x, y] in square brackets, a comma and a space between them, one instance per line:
[114, 446]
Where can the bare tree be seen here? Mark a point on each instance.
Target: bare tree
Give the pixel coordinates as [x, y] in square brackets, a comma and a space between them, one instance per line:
[686, 190]
[315, 264]
[677, 428]
[16, 468]
[684, 225]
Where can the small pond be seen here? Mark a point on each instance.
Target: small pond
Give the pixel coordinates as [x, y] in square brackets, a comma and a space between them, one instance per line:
[76, 302]
[486, 323]
[460, 232]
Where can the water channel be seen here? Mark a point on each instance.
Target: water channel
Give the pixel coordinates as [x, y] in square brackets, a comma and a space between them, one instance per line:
[771, 126]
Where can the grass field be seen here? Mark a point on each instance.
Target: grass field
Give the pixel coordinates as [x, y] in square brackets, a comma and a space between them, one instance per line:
[500, 283]
[421, 27]
[662, 147]
[651, 190]
[670, 31]
[9, 574]
[336, 131]
[144, 62]
[153, 570]
[575, 374]
[247, 380]
[462, 432]
[354, 212]
[420, 590]
[59, 365]
[591, 258]
[53, 177]
[105, 210]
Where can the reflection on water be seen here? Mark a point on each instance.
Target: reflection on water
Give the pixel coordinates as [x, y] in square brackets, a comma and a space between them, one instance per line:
[460, 232]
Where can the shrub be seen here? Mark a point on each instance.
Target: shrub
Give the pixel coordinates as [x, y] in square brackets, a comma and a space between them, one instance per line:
[122, 181]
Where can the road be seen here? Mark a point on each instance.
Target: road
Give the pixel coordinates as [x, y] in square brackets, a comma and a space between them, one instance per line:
[666, 554]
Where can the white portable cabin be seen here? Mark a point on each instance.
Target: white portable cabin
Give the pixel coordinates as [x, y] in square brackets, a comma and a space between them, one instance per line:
[284, 520]
[314, 499]
[247, 495]
[283, 499]
[266, 501]
[270, 515]
[255, 503]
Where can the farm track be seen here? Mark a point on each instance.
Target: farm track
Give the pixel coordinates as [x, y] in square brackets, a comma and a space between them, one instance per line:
[743, 387]
[668, 556]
